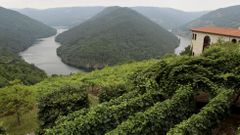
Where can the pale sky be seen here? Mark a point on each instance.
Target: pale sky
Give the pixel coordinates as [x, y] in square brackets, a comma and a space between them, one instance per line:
[187, 5]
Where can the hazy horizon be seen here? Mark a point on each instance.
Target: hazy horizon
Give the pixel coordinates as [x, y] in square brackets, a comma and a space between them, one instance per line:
[185, 5]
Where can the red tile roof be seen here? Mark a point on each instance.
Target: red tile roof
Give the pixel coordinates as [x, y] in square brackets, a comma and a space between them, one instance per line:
[219, 31]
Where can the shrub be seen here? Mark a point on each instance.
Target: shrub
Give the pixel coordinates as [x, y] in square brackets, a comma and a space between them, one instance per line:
[61, 102]
[160, 117]
[105, 116]
[108, 93]
[207, 118]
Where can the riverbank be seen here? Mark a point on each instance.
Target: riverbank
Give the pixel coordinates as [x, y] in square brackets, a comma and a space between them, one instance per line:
[43, 55]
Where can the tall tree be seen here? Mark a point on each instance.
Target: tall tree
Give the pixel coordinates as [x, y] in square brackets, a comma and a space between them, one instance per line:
[15, 100]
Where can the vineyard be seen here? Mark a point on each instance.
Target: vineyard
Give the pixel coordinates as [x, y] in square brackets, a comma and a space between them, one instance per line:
[162, 98]
[174, 95]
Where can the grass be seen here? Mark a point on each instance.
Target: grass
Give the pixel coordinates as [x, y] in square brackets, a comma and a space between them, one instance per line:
[93, 100]
[29, 123]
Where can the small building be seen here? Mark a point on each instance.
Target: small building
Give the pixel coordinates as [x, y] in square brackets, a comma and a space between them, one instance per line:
[205, 36]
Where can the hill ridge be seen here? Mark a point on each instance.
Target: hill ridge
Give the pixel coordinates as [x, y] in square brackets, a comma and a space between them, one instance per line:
[114, 36]
[18, 31]
[223, 17]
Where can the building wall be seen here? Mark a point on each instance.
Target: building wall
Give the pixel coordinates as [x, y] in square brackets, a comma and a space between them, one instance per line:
[197, 45]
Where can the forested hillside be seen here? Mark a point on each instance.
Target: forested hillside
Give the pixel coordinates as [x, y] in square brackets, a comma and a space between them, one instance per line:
[12, 67]
[72, 16]
[114, 36]
[18, 32]
[169, 18]
[67, 17]
[223, 17]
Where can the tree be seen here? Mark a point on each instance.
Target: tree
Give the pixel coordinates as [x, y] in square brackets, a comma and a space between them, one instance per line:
[15, 100]
[187, 51]
[60, 102]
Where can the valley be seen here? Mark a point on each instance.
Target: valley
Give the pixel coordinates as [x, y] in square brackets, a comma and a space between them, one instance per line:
[43, 54]
[119, 70]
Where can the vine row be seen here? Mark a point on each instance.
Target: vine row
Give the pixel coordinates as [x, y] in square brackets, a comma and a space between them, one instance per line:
[161, 117]
[207, 118]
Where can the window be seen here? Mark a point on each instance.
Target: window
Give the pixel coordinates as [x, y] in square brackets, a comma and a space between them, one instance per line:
[194, 36]
[234, 41]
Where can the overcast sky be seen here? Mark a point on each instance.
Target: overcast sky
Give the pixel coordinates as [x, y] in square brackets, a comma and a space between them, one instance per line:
[187, 5]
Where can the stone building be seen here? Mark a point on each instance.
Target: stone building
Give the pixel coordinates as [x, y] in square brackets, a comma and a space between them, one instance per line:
[205, 36]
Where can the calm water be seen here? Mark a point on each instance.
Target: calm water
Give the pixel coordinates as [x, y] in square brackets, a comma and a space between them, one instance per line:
[43, 55]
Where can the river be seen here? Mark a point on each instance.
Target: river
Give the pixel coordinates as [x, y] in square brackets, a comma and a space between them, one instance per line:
[43, 55]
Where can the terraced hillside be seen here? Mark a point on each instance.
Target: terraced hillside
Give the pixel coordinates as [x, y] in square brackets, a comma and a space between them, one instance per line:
[164, 98]
[172, 95]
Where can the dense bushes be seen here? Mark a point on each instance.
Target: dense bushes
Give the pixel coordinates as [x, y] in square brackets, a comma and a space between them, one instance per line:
[142, 109]
[61, 102]
[108, 93]
[209, 116]
[16, 101]
[162, 116]
[114, 102]
[105, 117]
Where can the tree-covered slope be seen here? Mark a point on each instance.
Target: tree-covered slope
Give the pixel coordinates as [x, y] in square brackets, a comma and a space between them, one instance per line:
[69, 16]
[115, 35]
[18, 32]
[12, 67]
[167, 17]
[223, 17]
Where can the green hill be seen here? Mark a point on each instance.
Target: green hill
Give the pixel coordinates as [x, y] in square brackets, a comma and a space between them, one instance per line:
[114, 36]
[223, 17]
[18, 32]
[12, 67]
[168, 18]
[69, 17]
[176, 96]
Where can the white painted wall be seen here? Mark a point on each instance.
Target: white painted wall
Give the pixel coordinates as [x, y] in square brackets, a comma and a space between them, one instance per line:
[197, 45]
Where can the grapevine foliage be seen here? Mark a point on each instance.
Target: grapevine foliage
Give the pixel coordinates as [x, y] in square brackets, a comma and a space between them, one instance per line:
[61, 102]
[160, 99]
